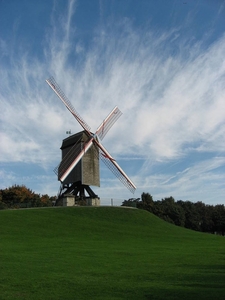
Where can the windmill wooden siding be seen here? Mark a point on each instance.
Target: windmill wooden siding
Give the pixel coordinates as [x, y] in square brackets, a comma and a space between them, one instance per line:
[87, 170]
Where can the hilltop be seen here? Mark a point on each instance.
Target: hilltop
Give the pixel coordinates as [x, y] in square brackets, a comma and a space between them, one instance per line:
[106, 253]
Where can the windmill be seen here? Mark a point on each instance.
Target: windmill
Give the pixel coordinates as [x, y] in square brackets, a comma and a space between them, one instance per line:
[79, 167]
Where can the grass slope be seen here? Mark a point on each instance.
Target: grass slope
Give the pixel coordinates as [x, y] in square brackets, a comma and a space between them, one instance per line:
[106, 253]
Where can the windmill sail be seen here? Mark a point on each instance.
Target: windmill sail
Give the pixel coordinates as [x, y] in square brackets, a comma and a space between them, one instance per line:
[113, 167]
[108, 123]
[56, 88]
[110, 162]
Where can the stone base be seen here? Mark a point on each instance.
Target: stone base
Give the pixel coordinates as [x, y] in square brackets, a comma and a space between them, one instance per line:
[68, 200]
[93, 202]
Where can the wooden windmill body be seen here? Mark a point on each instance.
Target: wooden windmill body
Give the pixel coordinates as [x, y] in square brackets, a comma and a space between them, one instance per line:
[87, 169]
[79, 167]
[86, 173]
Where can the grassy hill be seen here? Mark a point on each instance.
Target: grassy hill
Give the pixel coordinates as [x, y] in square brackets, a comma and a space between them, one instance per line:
[106, 253]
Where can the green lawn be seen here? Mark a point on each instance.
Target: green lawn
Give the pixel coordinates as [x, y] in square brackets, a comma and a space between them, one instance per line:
[106, 253]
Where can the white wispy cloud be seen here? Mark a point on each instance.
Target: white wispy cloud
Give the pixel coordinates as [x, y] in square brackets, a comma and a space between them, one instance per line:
[202, 180]
[172, 104]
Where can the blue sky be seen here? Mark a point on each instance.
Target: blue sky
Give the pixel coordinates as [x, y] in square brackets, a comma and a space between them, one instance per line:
[161, 62]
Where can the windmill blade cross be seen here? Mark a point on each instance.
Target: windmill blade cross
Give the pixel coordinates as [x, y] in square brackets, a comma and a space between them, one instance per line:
[75, 154]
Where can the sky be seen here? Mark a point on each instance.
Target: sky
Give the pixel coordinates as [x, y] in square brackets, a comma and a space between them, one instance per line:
[161, 62]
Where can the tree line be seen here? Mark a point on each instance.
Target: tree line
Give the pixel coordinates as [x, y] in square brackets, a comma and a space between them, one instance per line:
[196, 216]
[19, 196]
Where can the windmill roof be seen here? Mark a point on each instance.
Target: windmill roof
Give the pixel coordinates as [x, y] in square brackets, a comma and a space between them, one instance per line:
[72, 139]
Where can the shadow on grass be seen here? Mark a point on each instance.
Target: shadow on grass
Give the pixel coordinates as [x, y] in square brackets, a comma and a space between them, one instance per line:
[206, 282]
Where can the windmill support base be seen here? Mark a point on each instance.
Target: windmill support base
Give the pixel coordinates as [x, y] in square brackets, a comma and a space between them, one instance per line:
[82, 194]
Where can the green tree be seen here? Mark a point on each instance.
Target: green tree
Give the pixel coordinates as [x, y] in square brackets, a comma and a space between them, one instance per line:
[173, 211]
[205, 213]
[168, 210]
[192, 215]
[146, 202]
[2, 205]
[132, 202]
[219, 219]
